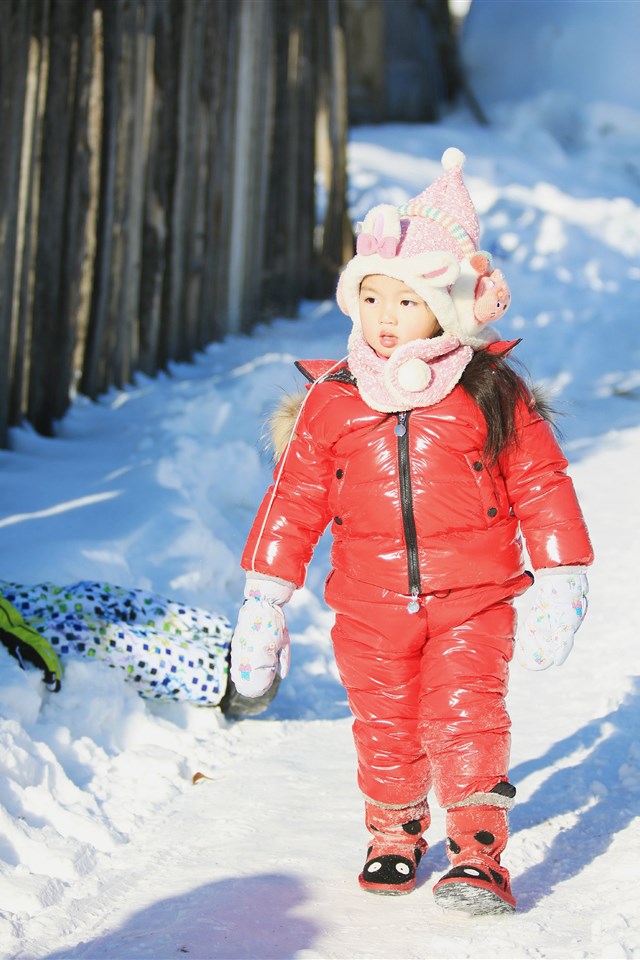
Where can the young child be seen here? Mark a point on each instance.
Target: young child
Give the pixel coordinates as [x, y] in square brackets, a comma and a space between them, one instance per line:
[430, 457]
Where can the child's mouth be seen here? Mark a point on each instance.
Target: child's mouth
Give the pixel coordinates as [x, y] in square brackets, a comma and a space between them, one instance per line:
[388, 340]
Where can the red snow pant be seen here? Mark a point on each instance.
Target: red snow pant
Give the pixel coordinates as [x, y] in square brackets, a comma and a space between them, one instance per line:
[427, 690]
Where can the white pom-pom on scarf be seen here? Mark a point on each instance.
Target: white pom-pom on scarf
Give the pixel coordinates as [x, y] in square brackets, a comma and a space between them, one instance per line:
[414, 375]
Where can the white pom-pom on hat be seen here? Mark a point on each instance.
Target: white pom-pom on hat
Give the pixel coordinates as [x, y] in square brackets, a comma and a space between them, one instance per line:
[452, 159]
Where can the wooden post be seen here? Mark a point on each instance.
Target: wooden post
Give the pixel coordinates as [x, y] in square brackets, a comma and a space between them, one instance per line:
[94, 374]
[175, 272]
[74, 220]
[250, 157]
[155, 226]
[221, 54]
[196, 161]
[132, 168]
[337, 235]
[280, 278]
[53, 322]
[34, 109]
[14, 56]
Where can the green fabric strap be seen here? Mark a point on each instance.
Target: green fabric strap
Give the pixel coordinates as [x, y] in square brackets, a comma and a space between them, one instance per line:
[26, 643]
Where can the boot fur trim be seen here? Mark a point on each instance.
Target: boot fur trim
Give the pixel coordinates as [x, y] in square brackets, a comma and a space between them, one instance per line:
[501, 796]
[397, 806]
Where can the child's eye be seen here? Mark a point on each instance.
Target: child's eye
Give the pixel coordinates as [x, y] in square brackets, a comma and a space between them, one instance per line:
[369, 299]
[408, 303]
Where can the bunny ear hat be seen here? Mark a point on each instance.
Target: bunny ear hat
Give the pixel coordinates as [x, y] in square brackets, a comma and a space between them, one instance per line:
[431, 245]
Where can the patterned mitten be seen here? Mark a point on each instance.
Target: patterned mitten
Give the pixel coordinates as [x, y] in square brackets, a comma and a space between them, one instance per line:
[260, 645]
[545, 637]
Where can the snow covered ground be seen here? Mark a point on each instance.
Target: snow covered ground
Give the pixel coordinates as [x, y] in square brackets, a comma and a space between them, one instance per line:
[107, 848]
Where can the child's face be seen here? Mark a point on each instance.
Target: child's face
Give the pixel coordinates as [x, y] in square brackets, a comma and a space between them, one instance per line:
[391, 314]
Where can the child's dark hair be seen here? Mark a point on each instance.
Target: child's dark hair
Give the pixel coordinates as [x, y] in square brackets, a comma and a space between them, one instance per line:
[496, 387]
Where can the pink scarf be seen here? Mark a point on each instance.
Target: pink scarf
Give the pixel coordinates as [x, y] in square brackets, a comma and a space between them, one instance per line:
[417, 374]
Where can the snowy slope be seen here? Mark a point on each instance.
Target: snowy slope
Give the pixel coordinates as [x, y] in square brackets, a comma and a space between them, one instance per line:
[107, 849]
[585, 50]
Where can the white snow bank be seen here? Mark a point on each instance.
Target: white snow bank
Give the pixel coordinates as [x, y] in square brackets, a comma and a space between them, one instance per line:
[586, 49]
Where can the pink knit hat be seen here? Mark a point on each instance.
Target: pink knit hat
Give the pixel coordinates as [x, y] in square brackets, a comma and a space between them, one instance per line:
[442, 217]
[431, 244]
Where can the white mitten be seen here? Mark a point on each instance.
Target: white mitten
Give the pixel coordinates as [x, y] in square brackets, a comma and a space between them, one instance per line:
[545, 637]
[260, 644]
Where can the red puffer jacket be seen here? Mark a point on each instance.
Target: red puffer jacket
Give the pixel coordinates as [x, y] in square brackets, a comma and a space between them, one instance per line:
[414, 507]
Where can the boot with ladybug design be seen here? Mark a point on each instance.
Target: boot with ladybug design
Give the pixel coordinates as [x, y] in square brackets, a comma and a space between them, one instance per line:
[477, 833]
[396, 848]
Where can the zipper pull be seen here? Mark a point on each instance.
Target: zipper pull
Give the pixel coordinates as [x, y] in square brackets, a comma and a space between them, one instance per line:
[414, 604]
[401, 427]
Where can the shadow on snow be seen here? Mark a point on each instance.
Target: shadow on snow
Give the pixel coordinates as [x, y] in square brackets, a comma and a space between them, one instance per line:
[231, 919]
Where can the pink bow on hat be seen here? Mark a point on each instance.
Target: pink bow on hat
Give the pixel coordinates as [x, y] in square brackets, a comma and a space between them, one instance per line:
[374, 240]
[368, 243]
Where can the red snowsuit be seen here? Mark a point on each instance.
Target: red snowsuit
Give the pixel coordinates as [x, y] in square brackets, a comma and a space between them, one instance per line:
[416, 512]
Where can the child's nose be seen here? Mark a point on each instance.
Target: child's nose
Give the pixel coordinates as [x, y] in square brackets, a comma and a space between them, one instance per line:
[388, 316]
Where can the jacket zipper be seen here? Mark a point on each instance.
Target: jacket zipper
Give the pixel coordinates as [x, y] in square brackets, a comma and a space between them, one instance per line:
[406, 504]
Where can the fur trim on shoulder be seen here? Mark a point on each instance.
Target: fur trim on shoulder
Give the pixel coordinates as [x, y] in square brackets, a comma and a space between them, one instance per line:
[543, 403]
[278, 427]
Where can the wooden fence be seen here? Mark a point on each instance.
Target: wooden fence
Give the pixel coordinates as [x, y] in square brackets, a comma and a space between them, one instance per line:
[157, 183]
